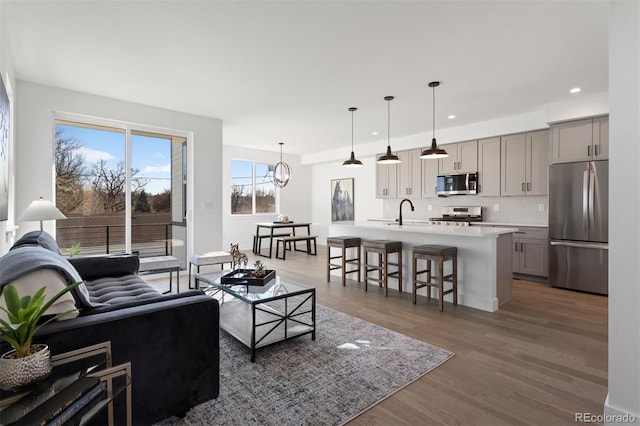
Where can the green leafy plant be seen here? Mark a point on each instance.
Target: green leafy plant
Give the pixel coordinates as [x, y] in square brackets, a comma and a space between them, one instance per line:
[73, 250]
[259, 269]
[24, 314]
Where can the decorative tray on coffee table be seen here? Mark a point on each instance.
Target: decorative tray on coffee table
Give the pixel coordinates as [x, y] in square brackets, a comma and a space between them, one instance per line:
[246, 277]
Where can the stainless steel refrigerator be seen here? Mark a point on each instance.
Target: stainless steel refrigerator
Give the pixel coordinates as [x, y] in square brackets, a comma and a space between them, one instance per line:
[579, 226]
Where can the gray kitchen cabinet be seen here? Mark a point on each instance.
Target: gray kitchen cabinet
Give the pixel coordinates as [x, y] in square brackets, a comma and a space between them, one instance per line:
[580, 140]
[429, 178]
[463, 158]
[524, 163]
[386, 180]
[489, 167]
[410, 171]
[531, 251]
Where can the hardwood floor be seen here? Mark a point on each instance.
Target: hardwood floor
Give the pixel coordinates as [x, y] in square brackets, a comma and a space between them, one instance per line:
[541, 358]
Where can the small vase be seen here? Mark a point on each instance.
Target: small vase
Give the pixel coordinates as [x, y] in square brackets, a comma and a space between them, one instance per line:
[16, 373]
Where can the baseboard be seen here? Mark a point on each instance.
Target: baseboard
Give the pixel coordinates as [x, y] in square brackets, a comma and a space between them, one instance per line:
[616, 416]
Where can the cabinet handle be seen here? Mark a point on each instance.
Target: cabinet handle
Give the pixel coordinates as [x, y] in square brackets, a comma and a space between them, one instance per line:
[459, 165]
[588, 150]
[516, 246]
[523, 187]
[595, 150]
[528, 186]
[522, 247]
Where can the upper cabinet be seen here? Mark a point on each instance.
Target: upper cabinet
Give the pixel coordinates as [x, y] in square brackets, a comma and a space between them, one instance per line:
[489, 167]
[524, 163]
[463, 158]
[580, 140]
[410, 171]
[429, 178]
[386, 180]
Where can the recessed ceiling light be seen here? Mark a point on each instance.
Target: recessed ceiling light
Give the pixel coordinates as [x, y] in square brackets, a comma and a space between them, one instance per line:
[575, 90]
[374, 133]
[451, 117]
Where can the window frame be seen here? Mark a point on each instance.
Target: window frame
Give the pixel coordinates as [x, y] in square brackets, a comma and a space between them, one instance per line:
[253, 190]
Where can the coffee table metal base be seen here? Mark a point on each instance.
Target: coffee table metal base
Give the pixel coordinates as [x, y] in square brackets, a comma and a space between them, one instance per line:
[258, 320]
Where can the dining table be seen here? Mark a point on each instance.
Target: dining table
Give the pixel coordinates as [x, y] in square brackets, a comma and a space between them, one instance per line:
[271, 227]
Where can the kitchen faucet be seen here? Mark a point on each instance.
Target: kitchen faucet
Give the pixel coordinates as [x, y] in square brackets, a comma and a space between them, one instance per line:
[401, 203]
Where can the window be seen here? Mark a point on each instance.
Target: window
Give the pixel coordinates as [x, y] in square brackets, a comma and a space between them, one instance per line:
[252, 190]
[114, 203]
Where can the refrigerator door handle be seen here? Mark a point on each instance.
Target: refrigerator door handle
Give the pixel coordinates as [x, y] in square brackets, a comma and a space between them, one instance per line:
[585, 200]
[601, 246]
[592, 189]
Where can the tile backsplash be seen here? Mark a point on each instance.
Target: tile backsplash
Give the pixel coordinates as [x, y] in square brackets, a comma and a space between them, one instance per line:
[517, 210]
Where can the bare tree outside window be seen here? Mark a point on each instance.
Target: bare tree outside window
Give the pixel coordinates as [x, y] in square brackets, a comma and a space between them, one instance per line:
[70, 170]
[252, 190]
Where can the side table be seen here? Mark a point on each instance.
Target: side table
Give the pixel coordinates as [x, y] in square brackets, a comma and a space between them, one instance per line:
[68, 367]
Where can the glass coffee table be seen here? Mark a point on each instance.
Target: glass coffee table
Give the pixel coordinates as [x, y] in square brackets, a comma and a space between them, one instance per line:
[259, 316]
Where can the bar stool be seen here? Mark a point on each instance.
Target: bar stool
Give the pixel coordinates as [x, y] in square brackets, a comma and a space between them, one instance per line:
[440, 254]
[343, 243]
[382, 247]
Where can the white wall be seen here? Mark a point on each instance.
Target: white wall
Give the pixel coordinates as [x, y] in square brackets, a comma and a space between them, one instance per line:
[364, 187]
[35, 108]
[6, 69]
[295, 198]
[624, 205]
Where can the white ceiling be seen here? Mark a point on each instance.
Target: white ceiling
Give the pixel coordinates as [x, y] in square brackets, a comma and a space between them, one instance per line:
[288, 71]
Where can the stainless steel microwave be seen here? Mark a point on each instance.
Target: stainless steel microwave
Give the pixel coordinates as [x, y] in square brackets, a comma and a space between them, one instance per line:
[458, 184]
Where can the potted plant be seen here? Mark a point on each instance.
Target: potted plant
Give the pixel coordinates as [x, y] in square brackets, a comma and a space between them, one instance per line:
[26, 363]
[259, 270]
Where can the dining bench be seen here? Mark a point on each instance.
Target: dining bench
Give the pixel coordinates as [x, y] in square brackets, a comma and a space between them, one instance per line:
[293, 239]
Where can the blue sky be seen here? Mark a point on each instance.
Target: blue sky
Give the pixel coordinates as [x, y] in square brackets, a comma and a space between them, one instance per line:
[150, 155]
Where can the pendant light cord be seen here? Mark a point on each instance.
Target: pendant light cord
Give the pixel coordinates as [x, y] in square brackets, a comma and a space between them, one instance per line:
[352, 130]
[389, 122]
[434, 112]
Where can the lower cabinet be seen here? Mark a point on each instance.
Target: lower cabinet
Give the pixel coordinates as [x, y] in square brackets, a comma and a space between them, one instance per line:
[531, 252]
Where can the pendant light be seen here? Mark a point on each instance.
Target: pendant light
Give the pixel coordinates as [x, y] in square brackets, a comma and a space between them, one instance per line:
[433, 152]
[389, 157]
[352, 162]
[281, 172]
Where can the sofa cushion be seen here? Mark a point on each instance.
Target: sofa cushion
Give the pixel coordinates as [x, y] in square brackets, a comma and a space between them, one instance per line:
[105, 265]
[116, 290]
[29, 283]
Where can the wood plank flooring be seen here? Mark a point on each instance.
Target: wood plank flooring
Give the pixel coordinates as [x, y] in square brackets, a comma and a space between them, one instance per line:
[538, 360]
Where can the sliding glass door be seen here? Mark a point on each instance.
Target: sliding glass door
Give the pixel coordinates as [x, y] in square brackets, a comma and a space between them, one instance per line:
[122, 190]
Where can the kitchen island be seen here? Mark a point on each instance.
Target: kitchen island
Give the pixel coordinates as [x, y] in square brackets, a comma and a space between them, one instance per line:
[484, 256]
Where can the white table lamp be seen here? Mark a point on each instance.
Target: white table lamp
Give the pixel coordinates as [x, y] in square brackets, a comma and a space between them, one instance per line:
[41, 210]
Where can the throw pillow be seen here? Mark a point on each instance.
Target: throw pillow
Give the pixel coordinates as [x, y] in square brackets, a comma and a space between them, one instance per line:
[29, 283]
[38, 238]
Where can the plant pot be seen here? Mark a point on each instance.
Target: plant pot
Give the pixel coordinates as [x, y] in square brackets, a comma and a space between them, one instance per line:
[16, 373]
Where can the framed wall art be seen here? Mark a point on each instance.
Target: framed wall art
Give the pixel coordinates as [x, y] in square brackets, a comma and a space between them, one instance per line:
[342, 200]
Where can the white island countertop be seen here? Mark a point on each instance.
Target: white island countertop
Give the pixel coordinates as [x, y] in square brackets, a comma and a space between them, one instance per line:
[425, 228]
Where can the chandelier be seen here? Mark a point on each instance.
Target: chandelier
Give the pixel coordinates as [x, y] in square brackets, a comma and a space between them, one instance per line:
[281, 172]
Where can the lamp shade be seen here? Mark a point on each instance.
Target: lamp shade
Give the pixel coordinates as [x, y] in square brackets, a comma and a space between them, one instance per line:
[433, 152]
[40, 210]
